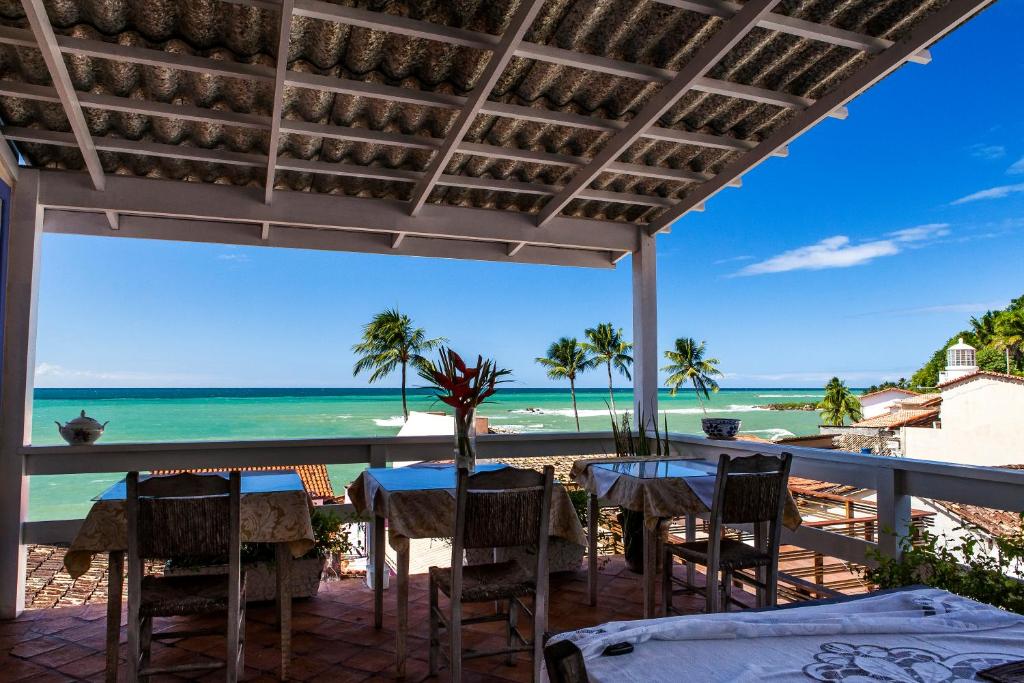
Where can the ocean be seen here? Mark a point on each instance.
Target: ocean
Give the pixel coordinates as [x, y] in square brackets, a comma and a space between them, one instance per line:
[155, 415]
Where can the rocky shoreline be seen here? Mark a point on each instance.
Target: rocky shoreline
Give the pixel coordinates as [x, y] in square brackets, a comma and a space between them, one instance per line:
[788, 406]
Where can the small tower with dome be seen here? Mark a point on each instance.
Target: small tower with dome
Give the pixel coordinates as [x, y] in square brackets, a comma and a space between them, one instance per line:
[960, 362]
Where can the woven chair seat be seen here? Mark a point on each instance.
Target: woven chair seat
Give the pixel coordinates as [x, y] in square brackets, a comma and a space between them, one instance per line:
[733, 554]
[169, 596]
[485, 582]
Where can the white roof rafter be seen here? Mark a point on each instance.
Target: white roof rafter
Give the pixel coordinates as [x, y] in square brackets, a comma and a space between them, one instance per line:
[47, 43]
[284, 30]
[500, 57]
[929, 30]
[700, 63]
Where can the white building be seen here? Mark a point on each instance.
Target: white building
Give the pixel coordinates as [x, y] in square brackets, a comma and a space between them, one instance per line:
[960, 362]
[979, 422]
[881, 402]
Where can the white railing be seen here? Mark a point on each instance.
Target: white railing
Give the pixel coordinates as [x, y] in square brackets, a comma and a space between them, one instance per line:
[896, 480]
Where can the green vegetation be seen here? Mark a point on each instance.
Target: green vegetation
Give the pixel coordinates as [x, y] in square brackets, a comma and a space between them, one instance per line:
[607, 346]
[839, 403]
[566, 359]
[902, 383]
[688, 364]
[391, 342]
[997, 335]
[959, 567]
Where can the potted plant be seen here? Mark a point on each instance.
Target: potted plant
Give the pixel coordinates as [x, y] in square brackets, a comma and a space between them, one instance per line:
[639, 444]
[688, 364]
[331, 543]
[463, 388]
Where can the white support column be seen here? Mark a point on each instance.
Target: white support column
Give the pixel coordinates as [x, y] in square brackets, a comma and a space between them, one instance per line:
[893, 506]
[645, 330]
[21, 268]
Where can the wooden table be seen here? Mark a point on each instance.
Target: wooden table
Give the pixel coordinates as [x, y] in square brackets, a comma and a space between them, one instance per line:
[661, 488]
[290, 529]
[419, 502]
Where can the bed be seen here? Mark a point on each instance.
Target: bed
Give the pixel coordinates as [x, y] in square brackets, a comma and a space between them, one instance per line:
[916, 635]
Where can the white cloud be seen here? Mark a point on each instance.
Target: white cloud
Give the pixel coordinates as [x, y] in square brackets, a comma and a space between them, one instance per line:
[840, 252]
[988, 152]
[54, 375]
[1017, 166]
[969, 308]
[237, 258]
[998, 192]
[732, 259]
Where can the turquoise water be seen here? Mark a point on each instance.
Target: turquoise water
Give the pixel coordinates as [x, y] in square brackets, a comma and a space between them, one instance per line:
[141, 415]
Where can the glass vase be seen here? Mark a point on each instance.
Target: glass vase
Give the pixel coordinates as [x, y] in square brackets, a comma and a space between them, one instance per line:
[465, 441]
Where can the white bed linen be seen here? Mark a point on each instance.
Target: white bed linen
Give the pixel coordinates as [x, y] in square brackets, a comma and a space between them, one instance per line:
[917, 636]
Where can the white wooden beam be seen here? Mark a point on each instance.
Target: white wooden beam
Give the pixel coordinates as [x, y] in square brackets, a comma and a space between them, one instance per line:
[930, 29]
[393, 23]
[209, 202]
[380, 91]
[20, 257]
[35, 12]
[653, 74]
[797, 27]
[114, 219]
[515, 247]
[141, 147]
[222, 232]
[716, 47]
[354, 134]
[265, 231]
[8, 162]
[618, 257]
[645, 331]
[284, 31]
[501, 55]
[397, 239]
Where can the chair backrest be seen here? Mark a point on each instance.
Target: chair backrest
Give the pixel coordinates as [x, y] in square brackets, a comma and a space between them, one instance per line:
[183, 515]
[751, 490]
[503, 508]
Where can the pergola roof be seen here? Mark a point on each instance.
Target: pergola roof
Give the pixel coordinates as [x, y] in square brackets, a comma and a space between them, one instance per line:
[567, 113]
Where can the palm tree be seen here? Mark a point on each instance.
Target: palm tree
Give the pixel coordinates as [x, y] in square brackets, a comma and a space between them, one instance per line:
[688, 364]
[566, 359]
[607, 346]
[984, 328]
[391, 342]
[1009, 336]
[838, 404]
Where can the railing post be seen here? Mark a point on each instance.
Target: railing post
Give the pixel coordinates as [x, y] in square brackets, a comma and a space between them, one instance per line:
[376, 571]
[21, 237]
[893, 506]
[645, 330]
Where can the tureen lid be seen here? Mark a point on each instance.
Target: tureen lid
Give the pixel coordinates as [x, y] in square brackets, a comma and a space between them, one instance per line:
[85, 422]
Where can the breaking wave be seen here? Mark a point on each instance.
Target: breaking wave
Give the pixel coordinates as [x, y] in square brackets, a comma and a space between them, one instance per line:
[396, 421]
[603, 412]
[773, 434]
[790, 395]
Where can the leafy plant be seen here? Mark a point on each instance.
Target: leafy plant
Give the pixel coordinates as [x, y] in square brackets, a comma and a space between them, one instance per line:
[607, 345]
[580, 501]
[389, 343]
[688, 364]
[566, 359]
[329, 538]
[958, 566]
[839, 403]
[629, 445]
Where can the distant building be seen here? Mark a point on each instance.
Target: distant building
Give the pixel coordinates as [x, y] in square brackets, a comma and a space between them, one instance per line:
[981, 422]
[879, 402]
[960, 362]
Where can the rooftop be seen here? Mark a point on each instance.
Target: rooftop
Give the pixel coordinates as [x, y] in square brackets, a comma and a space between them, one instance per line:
[983, 374]
[609, 113]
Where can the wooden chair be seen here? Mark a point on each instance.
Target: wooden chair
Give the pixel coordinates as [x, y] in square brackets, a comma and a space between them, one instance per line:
[184, 516]
[748, 490]
[496, 509]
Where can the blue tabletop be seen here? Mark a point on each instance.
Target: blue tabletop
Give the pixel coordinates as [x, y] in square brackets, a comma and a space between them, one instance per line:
[661, 469]
[252, 482]
[422, 477]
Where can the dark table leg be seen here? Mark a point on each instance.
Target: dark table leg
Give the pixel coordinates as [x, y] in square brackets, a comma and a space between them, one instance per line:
[379, 560]
[592, 515]
[115, 585]
[284, 604]
[402, 595]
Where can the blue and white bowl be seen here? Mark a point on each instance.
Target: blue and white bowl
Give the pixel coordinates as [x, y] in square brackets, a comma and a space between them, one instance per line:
[720, 427]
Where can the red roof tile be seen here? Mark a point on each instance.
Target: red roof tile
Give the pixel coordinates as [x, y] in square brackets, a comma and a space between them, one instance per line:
[314, 477]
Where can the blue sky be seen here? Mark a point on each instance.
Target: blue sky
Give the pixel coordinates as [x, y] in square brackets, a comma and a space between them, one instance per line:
[857, 255]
